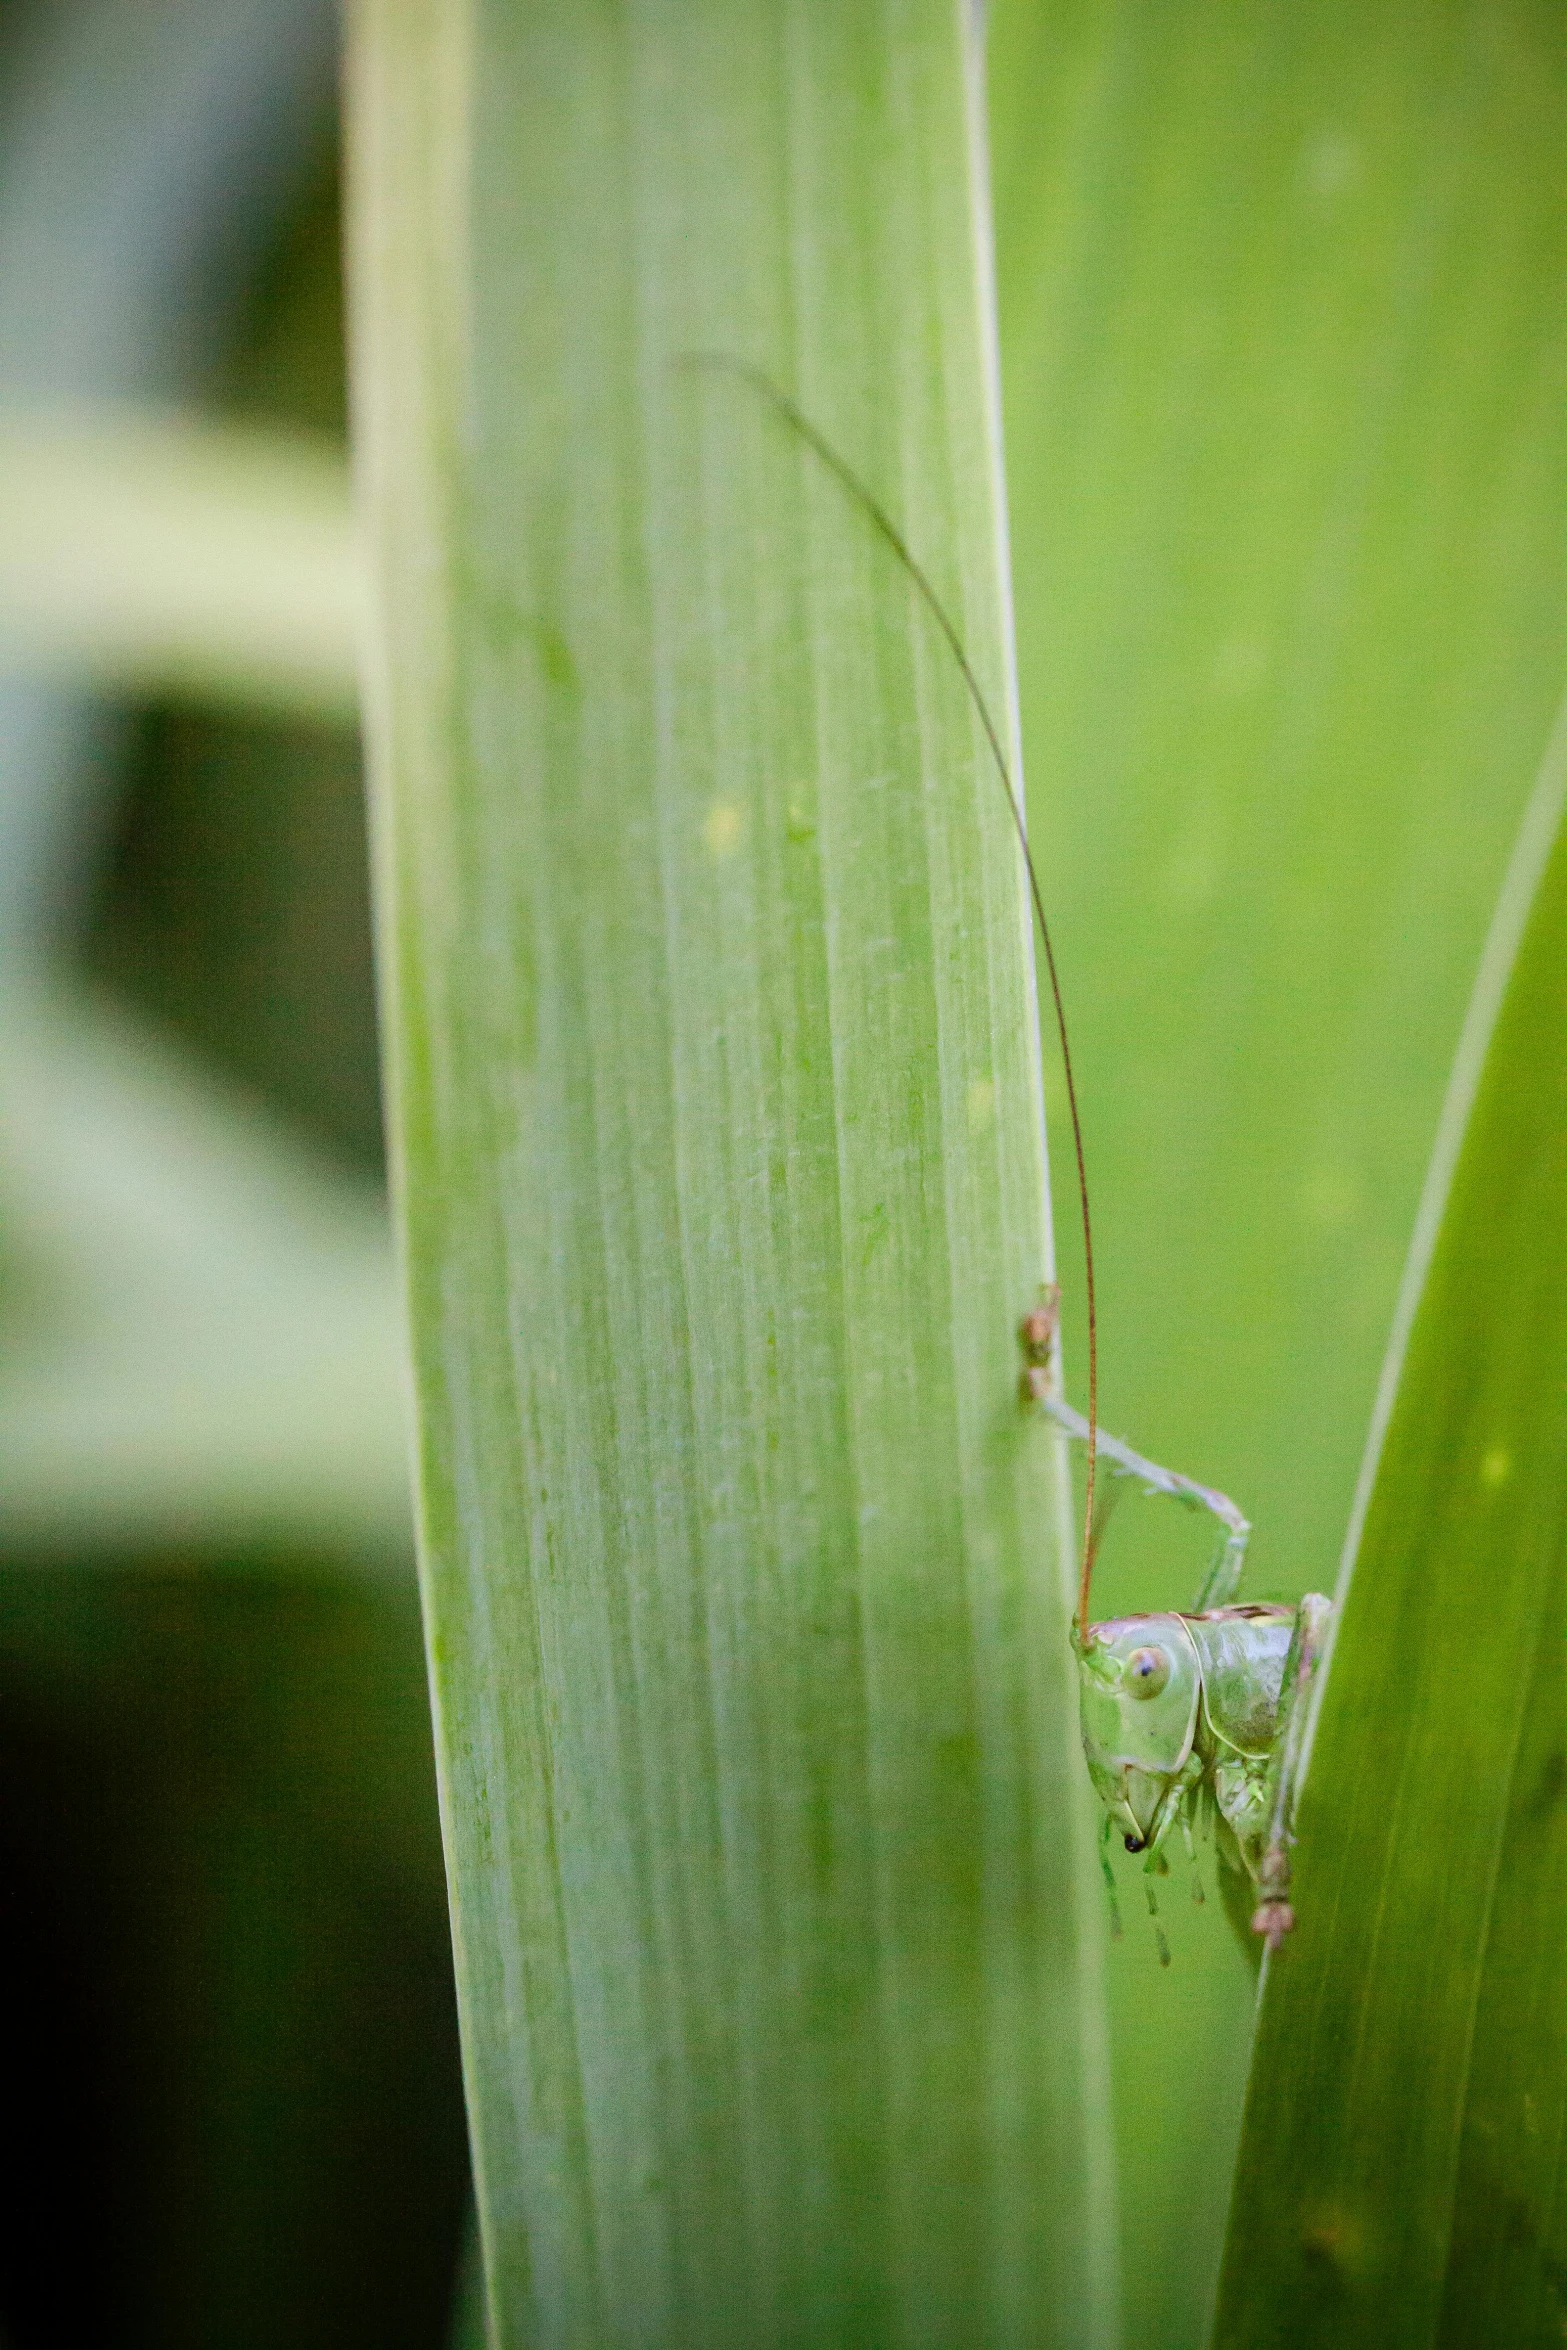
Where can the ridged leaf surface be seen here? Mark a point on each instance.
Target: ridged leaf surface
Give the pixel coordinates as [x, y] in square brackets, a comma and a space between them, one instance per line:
[714, 1086]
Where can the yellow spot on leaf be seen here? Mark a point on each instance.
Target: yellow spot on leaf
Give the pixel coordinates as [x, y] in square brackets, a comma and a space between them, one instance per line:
[1335, 2245]
[981, 1104]
[722, 827]
[1496, 1467]
[1332, 163]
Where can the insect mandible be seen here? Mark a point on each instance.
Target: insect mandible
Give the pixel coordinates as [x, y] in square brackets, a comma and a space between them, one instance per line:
[1187, 1718]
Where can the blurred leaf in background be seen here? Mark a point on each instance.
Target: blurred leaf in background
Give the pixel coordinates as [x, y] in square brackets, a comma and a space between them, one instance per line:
[235, 901]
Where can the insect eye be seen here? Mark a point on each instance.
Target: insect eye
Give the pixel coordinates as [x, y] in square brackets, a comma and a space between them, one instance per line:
[1147, 1671]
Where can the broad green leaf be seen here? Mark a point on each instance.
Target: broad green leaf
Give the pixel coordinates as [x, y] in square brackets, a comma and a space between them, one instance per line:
[714, 1078]
[1280, 296]
[1399, 2178]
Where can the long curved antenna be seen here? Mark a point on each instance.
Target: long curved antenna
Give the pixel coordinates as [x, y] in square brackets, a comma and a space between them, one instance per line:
[877, 515]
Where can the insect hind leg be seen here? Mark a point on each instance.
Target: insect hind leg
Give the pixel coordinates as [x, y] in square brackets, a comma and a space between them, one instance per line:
[1222, 1581]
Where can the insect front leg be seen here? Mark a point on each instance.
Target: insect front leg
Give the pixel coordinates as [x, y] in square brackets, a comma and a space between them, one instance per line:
[1172, 1806]
[1274, 1916]
[1105, 1834]
[1198, 1896]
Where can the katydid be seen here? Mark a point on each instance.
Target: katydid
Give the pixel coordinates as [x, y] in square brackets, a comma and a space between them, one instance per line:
[1185, 1717]
[1194, 1714]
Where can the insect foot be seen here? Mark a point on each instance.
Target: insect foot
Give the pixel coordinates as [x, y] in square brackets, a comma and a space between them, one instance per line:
[1037, 1335]
[1273, 1917]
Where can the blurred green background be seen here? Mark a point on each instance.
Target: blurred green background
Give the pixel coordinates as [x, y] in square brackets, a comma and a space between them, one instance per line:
[1284, 357]
[234, 2099]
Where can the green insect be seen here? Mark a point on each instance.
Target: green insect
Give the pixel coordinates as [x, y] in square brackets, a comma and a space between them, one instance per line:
[1190, 1718]
[1186, 1718]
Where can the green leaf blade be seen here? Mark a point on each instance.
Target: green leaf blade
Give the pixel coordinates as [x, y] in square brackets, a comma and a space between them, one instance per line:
[715, 1077]
[1397, 2173]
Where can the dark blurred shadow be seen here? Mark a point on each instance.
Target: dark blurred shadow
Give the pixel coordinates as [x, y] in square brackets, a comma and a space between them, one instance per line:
[233, 2099]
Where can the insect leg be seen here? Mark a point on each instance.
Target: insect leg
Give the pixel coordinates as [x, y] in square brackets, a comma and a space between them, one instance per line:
[1038, 1334]
[1191, 1854]
[1172, 1807]
[1105, 1834]
[1274, 1916]
[1223, 1577]
[1153, 1910]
